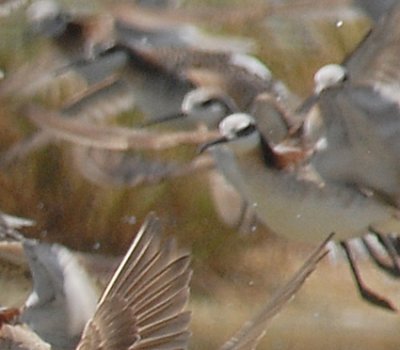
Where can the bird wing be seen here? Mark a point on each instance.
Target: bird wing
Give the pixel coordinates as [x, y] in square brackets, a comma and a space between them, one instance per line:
[375, 62]
[103, 100]
[254, 329]
[109, 137]
[149, 291]
[273, 120]
[362, 144]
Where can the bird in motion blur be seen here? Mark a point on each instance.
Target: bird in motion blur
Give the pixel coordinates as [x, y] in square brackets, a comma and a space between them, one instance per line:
[340, 143]
[163, 82]
[121, 73]
[339, 170]
[143, 305]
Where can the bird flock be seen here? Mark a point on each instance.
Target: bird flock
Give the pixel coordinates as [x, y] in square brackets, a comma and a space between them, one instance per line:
[307, 169]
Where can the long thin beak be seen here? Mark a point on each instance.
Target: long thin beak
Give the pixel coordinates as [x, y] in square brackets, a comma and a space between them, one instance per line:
[206, 146]
[164, 119]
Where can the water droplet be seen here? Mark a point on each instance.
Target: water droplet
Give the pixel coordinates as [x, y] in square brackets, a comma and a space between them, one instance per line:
[131, 220]
[96, 246]
[339, 24]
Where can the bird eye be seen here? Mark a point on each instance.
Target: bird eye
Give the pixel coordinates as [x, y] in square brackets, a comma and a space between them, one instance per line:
[209, 102]
[249, 129]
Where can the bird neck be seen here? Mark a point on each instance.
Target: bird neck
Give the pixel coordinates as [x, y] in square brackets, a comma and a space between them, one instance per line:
[267, 153]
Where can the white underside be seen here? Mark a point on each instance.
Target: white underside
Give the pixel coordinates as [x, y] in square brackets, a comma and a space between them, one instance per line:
[301, 210]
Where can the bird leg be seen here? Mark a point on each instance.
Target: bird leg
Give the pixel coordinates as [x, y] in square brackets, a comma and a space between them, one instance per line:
[366, 293]
[390, 244]
[381, 260]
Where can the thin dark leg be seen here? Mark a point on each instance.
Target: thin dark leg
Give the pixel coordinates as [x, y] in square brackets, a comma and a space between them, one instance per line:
[396, 242]
[380, 260]
[364, 291]
[391, 249]
[390, 245]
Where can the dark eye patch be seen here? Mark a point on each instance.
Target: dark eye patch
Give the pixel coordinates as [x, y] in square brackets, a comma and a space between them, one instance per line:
[249, 129]
[209, 102]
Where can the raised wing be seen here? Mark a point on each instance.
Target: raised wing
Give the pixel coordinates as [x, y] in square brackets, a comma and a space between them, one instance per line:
[142, 306]
[375, 62]
[254, 329]
[362, 140]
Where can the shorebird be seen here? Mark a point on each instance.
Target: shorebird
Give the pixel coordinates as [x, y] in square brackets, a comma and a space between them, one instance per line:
[78, 36]
[63, 297]
[355, 115]
[74, 37]
[113, 95]
[166, 82]
[342, 162]
[218, 86]
[151, 317]
[200, 87]
[183, 82]
[83, 34]
[290, 197]
[163, 80]
[349, 134]
[143, 304]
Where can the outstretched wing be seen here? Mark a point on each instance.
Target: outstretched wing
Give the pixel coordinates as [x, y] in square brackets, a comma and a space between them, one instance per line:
[143, 305]
[254, 329]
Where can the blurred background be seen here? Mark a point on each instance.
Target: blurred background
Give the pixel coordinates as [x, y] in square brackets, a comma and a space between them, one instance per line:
[234, 272]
